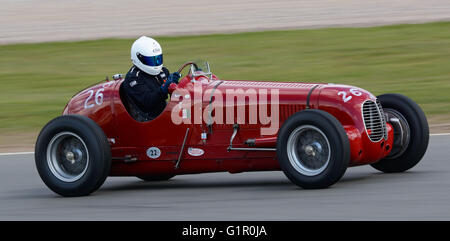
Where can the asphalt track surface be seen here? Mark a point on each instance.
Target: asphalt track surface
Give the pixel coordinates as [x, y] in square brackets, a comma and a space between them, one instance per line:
[57, 20]
[422, 193]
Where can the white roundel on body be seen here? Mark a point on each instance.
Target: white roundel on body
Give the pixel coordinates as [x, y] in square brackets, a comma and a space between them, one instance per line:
[195, 151]
[153, 152]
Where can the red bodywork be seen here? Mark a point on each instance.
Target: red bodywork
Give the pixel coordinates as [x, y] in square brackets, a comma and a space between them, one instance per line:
[130, 140]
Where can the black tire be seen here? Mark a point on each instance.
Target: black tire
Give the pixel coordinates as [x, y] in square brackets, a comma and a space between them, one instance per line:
[338, 148]
[94, 154]
[156, 178]
[418, 134]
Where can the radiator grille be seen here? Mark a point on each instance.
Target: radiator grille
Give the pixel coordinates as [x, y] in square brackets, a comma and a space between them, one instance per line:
[374, 120]
[383, 119]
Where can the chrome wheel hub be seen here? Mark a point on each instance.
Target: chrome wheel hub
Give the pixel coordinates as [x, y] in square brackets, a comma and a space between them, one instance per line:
[70, 157]
[402, 132]
[309, 150]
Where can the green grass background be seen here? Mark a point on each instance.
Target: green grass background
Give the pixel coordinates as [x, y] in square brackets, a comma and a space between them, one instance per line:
[37, 80]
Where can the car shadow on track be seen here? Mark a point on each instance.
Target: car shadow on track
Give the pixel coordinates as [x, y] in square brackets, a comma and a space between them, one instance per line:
[279, 182]
[374, 177]
[180, 183]
[273, 183]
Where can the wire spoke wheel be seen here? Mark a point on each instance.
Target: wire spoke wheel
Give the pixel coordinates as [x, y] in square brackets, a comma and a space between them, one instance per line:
[67, 157]
[308, 150]
[402, 132]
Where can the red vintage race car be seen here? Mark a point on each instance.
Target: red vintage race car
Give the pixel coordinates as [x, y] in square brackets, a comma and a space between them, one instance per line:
[312, 132]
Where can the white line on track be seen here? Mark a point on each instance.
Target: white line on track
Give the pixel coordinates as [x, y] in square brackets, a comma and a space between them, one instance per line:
[16, 153]
[440, 134]
[28, 153]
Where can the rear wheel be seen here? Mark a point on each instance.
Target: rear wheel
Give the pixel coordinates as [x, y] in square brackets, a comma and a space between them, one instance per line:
[72, 155]
[156, 178]
[313, 149]
[411, 133]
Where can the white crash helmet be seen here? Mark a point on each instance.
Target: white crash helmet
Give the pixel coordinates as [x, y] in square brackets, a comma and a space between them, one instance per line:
[146, 54]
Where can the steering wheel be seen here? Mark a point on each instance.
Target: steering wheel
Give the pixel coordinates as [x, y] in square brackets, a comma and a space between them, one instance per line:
[187, 64]
[195, 77]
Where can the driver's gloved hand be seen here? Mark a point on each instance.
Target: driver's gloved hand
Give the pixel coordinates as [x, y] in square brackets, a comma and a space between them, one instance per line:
[172, 80]
[166, 84]
[175, 76]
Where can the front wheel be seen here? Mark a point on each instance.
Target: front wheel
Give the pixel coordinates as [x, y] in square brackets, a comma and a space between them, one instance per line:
[411, 133]
[313, 149]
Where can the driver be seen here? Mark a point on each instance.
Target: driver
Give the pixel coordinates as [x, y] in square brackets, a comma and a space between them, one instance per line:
[147, 82]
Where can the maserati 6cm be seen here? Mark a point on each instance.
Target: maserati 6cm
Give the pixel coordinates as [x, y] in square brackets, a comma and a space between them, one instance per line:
[323, 130]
